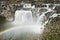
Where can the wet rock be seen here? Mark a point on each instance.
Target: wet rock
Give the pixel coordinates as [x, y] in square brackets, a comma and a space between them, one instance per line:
[43, 10]
[49, 14]
[2, 19]
[57, 9]
[2, 22]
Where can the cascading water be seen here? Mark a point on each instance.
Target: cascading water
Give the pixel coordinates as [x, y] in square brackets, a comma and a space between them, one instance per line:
[23, 17]
[25, 22]
[26, 18]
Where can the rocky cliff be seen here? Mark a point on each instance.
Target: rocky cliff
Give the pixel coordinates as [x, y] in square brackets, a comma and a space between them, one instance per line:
[8, 7]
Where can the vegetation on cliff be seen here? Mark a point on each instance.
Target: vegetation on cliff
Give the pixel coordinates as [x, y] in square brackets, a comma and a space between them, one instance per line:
[41, 1]
[52, 30]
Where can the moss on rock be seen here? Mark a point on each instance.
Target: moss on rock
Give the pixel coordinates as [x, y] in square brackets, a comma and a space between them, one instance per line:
[52, 31]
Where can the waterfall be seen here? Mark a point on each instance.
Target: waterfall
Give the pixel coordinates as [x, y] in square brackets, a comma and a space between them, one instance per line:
[26, 21]
[23, 17]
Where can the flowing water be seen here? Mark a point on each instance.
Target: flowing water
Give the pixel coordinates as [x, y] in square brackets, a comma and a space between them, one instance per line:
[26, 22]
